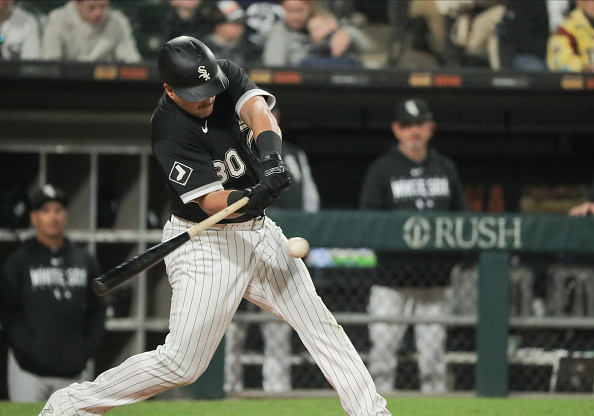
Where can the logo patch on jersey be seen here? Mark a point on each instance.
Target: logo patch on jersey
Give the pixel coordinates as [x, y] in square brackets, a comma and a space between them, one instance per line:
[180, 173]
[203, 73]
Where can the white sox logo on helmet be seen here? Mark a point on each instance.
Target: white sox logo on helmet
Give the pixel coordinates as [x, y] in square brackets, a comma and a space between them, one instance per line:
[203, 73]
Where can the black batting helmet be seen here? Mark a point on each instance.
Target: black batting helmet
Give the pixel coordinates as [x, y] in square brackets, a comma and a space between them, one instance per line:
[190, 69]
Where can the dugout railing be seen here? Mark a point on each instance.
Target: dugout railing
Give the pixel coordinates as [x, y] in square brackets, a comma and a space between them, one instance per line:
[494, 240]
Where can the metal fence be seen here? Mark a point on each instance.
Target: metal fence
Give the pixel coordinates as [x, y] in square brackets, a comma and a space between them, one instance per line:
[408, 297]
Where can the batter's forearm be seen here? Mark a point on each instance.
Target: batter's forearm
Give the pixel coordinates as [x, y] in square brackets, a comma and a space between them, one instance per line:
[214, 202]
[256, 114]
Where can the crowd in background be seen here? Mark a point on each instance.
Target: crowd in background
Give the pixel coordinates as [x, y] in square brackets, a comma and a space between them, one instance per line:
[415, 34]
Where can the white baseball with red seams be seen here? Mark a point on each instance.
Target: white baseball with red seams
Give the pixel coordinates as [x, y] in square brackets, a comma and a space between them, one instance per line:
[297, 247]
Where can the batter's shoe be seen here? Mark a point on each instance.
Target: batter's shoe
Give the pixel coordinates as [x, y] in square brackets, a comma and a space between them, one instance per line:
[53, 406]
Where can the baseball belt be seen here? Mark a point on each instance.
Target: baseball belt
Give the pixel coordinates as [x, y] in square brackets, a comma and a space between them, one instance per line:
[253, 224]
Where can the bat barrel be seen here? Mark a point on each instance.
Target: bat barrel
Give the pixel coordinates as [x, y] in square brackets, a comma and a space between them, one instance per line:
[99, 287]
[127, 270]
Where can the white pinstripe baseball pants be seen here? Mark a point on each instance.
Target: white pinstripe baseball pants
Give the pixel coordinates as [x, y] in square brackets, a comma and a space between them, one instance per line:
[209, 275]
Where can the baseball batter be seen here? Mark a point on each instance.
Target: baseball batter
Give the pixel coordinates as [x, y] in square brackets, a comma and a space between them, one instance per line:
[216, 141]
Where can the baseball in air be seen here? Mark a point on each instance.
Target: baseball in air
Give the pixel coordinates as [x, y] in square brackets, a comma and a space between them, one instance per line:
[297, 247]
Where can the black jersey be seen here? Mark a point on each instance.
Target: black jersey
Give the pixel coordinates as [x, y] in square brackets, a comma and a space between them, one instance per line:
[396, 182]
[202, 155]
[52, 319]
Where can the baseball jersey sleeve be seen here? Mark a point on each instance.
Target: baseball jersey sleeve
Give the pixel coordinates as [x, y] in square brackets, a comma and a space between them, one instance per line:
[241, 87]
[188, 168]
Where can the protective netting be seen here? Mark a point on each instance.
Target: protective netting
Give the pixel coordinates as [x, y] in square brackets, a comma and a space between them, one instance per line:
[412, 317]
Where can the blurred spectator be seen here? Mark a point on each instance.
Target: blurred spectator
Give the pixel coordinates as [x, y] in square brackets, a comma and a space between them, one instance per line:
[21, 37]
[260, 16]
[522, 36]
[417, 34]
[288, 42]
[349, 19]
[330, 47]
[52, 320]
[428, 13]
[585, 208]
[228, 39]
[557, 11]
[571, 47]
[474, 28]
[194, 18]
[523, 32]
[411, 176]
[342, 9]
[90, 31]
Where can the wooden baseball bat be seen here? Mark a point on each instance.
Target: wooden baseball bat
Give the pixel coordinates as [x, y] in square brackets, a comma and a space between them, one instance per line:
[107, 282]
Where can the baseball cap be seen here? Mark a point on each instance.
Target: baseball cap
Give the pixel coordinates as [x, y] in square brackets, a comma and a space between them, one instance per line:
[413, 110]
[47, 193]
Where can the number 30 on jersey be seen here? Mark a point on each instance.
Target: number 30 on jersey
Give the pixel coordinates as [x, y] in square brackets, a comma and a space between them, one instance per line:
[232, 166]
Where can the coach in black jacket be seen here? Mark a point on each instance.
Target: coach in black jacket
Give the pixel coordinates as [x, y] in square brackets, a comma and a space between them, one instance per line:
[411, 176]
[52, 320]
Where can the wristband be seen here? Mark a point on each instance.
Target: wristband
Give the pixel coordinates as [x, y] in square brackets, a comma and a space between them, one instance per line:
[268, 142]
[235, 196]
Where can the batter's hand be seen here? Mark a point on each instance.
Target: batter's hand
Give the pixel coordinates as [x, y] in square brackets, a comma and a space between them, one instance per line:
[276, 175]
[260, 197]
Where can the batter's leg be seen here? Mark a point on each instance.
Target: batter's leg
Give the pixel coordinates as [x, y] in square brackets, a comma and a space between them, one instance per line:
[287, 285]
[207, 288]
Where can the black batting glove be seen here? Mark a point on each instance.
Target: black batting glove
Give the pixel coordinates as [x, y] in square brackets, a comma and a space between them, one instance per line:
[276, 175]
[260, 197]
